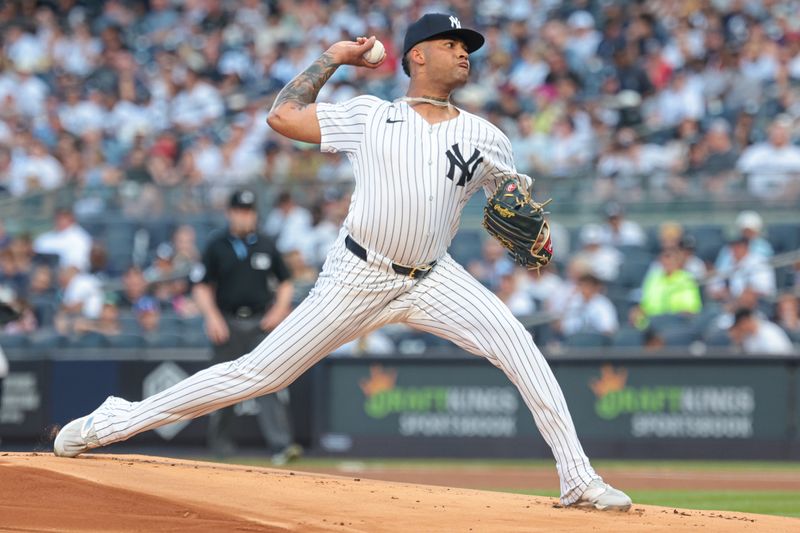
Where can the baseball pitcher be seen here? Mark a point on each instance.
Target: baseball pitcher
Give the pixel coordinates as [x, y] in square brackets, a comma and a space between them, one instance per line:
[416, 162]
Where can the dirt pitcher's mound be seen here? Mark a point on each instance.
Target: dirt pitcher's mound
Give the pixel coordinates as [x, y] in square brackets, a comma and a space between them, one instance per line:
[135, 493]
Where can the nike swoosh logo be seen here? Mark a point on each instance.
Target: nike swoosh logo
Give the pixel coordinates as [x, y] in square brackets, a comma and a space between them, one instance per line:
[390, 121]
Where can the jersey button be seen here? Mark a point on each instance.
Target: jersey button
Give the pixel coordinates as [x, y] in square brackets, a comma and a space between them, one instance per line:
[430, 162]
[430, 198]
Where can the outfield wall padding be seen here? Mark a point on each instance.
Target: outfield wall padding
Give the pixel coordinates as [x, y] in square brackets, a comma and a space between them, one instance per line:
[624, 406]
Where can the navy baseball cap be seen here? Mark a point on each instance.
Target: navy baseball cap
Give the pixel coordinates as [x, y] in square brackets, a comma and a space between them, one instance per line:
[440, 25]
[243, 199]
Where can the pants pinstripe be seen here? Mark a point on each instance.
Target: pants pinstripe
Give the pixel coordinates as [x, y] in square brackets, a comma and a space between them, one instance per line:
[351, 298]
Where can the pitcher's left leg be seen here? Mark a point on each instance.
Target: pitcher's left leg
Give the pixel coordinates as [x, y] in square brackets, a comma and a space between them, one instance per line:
[450, 303]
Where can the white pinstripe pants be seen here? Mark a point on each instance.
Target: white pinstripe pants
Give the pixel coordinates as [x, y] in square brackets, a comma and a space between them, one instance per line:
[351, 298]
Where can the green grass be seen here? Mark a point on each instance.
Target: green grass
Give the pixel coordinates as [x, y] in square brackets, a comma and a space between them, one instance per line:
[774, 502]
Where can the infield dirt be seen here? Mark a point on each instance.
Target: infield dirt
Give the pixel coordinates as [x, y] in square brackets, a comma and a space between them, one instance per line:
[124, 493]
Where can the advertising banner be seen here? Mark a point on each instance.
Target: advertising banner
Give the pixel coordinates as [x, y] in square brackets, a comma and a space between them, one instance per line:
[624, 402]
[663, 401]
[25, 401]
[425, 400]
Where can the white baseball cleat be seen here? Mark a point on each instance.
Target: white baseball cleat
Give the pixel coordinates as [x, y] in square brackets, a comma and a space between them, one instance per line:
[76, 437]
[602, 496]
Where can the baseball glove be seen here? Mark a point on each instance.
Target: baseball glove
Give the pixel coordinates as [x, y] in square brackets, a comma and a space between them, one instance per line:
[514, 219]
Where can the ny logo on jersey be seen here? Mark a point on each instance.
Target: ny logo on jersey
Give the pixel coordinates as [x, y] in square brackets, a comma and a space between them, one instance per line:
[455, 23]
[467, 168]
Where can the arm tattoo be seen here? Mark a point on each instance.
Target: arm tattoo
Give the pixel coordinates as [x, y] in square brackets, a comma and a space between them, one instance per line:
[303, 89]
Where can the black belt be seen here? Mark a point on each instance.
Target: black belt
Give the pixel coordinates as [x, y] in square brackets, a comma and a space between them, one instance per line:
[412, 272]
[244, 312]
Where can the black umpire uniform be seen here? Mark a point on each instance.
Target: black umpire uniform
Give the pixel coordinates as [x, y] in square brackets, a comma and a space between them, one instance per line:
[242, 270]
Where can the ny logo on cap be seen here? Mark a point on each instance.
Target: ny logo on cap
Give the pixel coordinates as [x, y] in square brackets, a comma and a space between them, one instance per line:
[467, 167]
[454, 22]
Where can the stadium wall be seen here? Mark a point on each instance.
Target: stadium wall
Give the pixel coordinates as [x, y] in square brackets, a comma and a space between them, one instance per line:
[723, 407]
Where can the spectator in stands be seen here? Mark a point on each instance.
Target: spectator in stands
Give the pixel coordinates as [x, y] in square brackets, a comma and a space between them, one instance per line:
[11, 275]
[758, 336]
[41, 281]
[68, 240]
[197, 105]
[629, 74]
[167, 285]
[187, 256]
[148, 317]
[289, 225]
[134, 287]
[82, 296]
[493, 263]
[23, 320]
[556, 302]
[749, 226]
[79, 116]
[6, 169]
[689, 262]
[622, 165]
[787, 312]
[35, 170]
[604, 260]
[162, 267]
[669, 290]
[719, 154]
[773, 167]
[327, 218]
[748, 281]
[670, 233]
[5, 238]
[568, 152]
[681, 100]
[21, 247]
[278, 162]
[511, 293]
[581, 46]
[672, 237]
[107, 323]
[588, 310]
[620, 231]
[98, 262]
[542, 285]
[242, 158]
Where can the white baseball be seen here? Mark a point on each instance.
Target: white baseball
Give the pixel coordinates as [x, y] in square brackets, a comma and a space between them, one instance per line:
[374, 54]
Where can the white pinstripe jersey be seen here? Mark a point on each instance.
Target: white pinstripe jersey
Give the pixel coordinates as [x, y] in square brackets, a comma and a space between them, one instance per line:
[412, 178]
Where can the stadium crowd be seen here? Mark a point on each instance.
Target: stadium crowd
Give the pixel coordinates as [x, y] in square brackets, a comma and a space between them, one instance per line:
[145, 109]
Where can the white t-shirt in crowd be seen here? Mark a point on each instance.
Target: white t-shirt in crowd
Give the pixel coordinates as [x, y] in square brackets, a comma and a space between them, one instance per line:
[752, 272]
[770, 169]
[597, 315]
[87, 290]
[197, 106]
[769, 338]
[72, 246]
[629, 234]
[290, 231]
[45, 170]
[82, 117]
